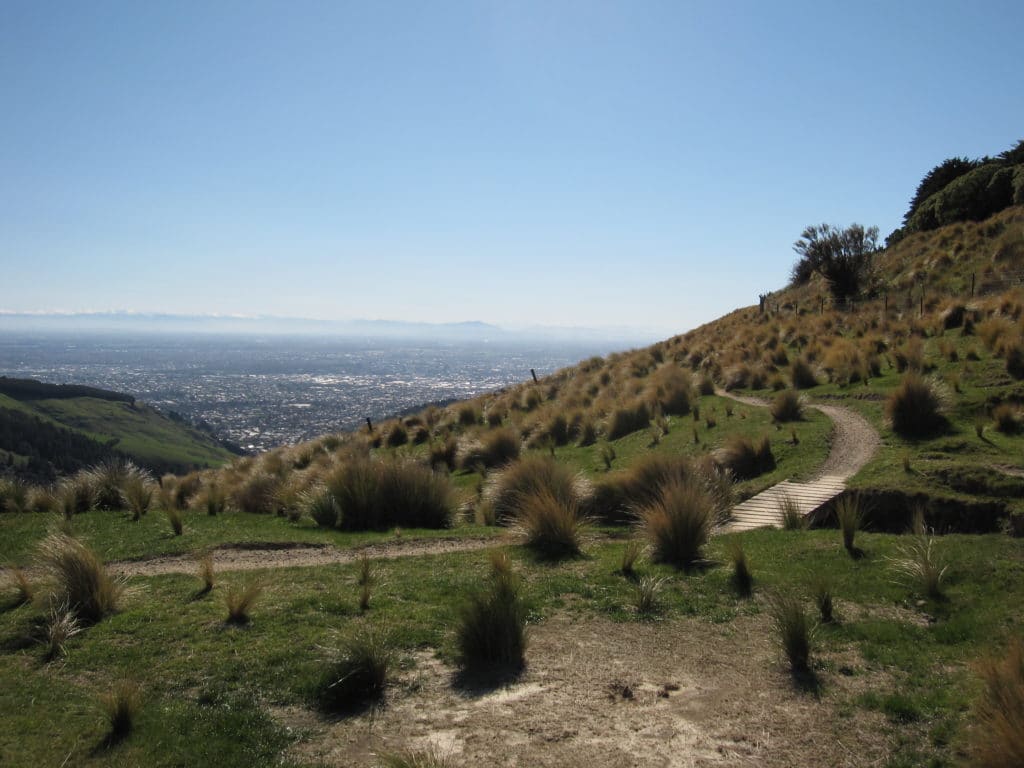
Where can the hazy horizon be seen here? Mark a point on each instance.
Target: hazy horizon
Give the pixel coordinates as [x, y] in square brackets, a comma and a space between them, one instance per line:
[530, 164]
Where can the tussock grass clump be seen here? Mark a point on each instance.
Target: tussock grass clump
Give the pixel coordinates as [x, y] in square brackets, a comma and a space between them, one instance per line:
[646, 596]
[998, 737]
[921, 567]
[792, 518]
[377, 495]
[849, 516]
[617, 497]
[553, 527]
[468, 415]
[495, 449]
[492, 625]
[206, 573]
[75, 495]
[14, 496]
[214, 499]
[744, 458]
[24, 592]
[630, 554]
[359, 676]
[1014, 354]
[108, 479]
[176, 519]
[240, 599]
[742, 579]
[397, 435]
[121, 704]
[672, 390]
[915, 407]
[61, 625]
[801, 374]
[532, 476]
[1008, 419]
[136, 493]
[320, 504]
[444, 453]
[80, 581]
[678, 523]
[628, 419]
[787, 406]
[793, 632]
[823, 593]
[257, 495]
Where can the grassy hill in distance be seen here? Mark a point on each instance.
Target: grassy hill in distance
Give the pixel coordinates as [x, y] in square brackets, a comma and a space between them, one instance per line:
[48, 430]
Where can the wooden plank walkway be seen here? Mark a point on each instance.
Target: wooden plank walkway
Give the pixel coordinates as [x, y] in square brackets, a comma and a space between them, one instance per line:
[765, 509]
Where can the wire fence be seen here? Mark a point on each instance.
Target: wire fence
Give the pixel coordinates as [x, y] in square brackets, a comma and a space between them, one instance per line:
[908, 299]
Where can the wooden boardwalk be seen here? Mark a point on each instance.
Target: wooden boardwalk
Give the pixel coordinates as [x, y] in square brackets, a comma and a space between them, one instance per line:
[765, 509]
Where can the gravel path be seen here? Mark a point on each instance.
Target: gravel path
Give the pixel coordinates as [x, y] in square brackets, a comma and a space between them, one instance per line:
[251, 557]
[854, 440]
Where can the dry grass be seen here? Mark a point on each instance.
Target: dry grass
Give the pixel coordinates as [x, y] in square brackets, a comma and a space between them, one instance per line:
[630, 555]
[492, 624]
[508, 490]
[679, 522]
[998, 736]
[915, 407]
[628, 419]
[121, 705]
[919, 564]
[206, 573]
[359, 676]
[744, 458]
[646, 597]
[1008, 419]
[61, 625]
[428, 758]
[787, 406]
[24, 591]
[849, 515]
[792, 518]
[742, 579]
[553, 527]
[80, 581]
[377, 495]
[240, 599]
[176, 519]
[793, 632]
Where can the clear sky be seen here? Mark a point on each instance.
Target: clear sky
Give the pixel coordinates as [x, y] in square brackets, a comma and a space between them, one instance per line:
[639, 164]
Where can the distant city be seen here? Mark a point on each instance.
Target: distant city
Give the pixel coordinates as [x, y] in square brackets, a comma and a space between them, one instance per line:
[260, 392]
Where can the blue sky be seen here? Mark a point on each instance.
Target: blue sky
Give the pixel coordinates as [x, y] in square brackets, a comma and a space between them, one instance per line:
[568, 163]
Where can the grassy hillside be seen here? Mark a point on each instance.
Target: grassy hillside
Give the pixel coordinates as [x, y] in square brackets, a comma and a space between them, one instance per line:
[100, 426]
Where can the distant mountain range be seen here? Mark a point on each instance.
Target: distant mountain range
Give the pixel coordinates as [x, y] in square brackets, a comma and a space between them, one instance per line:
[396, 329]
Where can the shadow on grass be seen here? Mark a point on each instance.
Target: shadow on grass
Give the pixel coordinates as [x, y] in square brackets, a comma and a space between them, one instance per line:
[856, 553]
[477, 680]
[806, 680]
[200, 593]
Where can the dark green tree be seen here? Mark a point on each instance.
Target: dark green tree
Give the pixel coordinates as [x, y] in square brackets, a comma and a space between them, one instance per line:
[936, 180]
[842, 256]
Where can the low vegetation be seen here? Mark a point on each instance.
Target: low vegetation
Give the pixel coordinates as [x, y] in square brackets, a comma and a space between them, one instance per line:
[492, 626]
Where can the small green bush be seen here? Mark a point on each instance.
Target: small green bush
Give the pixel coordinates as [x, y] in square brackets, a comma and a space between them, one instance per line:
[646, 597]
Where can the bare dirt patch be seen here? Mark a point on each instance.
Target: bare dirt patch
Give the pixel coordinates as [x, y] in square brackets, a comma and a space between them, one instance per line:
[602, 695]
[250, 557]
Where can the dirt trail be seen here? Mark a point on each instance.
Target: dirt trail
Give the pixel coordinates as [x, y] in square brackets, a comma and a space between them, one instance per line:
[854, 440]
[250, 557]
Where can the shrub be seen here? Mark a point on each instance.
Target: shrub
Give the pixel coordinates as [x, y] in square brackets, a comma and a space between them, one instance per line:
[121, 705]
[360, 674]
[529, 477]
[627, 420]
[678, 523]
[240, 599]
[787, 406]
[552, 526]
[80, 581]
[492, 623]
[998, 739]
[744, 459]
[793, 631]
[849, 516]
[918, 563]
[377, 495]
[742, 579]
[1007, 419]
[320, 504]
[915, 407]
[801, 374]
